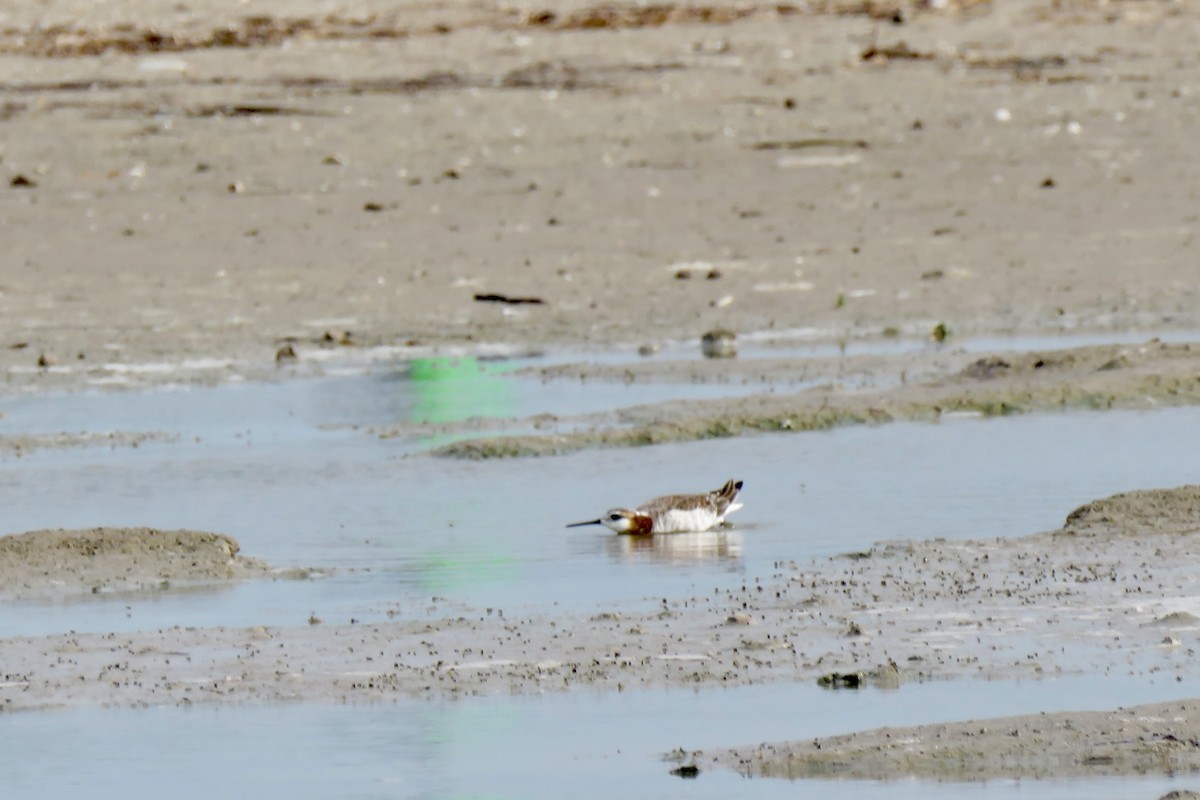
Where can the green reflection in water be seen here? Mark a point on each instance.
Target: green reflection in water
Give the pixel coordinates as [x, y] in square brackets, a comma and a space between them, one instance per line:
[446, 570]
[452, 389]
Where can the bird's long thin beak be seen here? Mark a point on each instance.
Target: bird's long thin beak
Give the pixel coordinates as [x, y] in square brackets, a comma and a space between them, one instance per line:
[591, 522]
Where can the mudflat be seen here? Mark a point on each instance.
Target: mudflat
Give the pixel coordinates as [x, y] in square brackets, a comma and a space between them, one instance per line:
[104, 560]
[191, 193]
[1153, 738]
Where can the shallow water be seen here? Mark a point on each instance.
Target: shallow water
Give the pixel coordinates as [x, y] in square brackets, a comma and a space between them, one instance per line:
[399, 530]
[282, 468]
[528, 747]
[427, 390]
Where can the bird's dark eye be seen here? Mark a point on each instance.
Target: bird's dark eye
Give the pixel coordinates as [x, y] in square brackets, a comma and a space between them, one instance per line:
[614, 517]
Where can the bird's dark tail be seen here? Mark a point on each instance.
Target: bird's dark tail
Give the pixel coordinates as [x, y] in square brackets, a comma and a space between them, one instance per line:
[727, 494]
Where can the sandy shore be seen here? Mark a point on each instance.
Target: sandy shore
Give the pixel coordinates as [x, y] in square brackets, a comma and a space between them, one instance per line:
[186, 191]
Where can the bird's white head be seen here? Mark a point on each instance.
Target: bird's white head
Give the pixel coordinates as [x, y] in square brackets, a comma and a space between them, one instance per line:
[617, 520]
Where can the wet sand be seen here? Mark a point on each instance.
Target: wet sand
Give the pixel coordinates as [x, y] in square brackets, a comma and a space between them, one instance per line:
[195, 195]
[1160, 738]
[23, 444]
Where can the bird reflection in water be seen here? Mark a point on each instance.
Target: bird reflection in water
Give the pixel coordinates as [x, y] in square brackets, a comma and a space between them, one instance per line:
[709, 547]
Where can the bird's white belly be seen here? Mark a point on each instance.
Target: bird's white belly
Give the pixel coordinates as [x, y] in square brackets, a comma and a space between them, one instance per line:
[677, 520]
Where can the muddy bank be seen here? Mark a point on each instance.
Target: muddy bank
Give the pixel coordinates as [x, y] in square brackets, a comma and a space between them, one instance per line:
[103, 560]
[1103, 377]
[1161, 738]
[1083, 599]
[1133, 513]
[20, 445]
